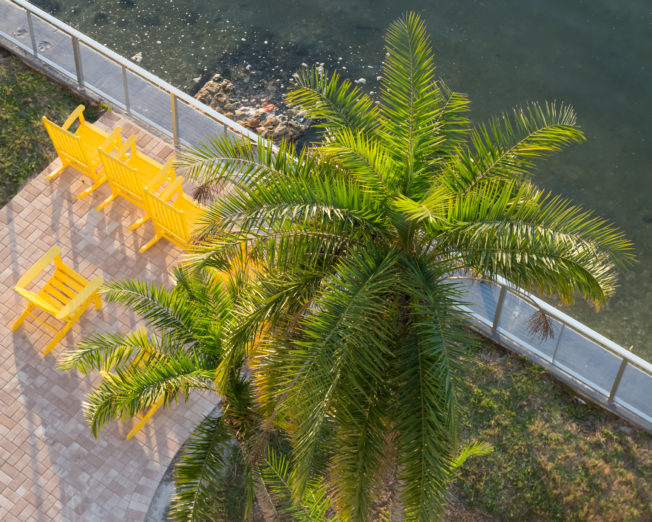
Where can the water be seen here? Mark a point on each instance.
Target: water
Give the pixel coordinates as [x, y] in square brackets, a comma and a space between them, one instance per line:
[593, 54]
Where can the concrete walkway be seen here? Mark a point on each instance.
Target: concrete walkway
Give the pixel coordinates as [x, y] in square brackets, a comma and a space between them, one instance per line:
[51, 468]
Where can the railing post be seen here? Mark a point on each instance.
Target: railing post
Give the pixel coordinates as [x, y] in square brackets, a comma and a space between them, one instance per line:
[499, 308]
[616, 383]
[175, 131]
[126, 88]
[78, 63]
[31, 32]
[561, 331]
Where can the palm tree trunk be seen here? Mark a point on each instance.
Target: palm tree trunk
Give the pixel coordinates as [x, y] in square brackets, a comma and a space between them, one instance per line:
[395, 505]
[263, 498]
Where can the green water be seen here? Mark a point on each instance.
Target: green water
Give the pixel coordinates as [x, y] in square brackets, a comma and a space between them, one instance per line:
[595, 55]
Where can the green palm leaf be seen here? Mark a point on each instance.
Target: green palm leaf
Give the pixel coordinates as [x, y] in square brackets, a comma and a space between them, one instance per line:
[508, 145]
[333, 103]
[426, 417]
[410, 99]
[130, 390]
[201, 472]
[158, 306]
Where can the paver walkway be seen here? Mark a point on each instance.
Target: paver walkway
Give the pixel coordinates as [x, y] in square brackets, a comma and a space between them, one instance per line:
[51, 468]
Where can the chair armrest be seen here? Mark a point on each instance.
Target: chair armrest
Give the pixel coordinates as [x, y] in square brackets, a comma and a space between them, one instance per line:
[77, 113]
[165, 174]
[112, 141]
[36, 300]
[126, 146]
[83, 296]
[176, 187]
[38, 267]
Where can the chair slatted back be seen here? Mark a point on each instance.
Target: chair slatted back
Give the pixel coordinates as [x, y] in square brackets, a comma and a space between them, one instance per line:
[124, 180]
[169, 221]
[69, 147]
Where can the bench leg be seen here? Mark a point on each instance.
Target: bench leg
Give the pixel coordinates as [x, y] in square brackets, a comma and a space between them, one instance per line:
[93, 187]
[58, 337]
[143, 420]
[105, 202]
[140, 222]
[54, 174]
[23, 316]
[150, 243]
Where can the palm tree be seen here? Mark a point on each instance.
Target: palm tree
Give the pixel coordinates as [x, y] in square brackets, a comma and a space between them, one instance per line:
[356, 311]
[180, 351]
[227, 461]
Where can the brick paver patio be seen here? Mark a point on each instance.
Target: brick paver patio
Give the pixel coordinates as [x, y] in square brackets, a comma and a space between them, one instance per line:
[51, 468]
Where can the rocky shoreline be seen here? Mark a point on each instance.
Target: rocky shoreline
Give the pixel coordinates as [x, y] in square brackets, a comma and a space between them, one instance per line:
[256, 105]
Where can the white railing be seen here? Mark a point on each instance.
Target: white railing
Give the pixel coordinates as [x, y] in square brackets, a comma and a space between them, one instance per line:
[592, 364]
[589, 362]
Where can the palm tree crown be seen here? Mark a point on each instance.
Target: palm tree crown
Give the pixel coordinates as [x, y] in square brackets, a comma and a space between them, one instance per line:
[349, 332]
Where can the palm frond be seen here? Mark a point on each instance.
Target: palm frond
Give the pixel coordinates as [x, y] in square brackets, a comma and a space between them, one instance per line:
[472, 449]
[536, 241]
[156, 305]
[361, 422]
[108, 351]
[364, 159]
[507, 146]
[410, 99]
[346, 329]
[313, 506]
[201, 471]
[228, 159]
[333, 103]
[451, 121]
[127, 391]
[426, 411]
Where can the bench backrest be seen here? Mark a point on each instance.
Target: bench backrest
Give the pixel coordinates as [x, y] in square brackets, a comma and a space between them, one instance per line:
[69, 147]
[124, 180]
[169, 221]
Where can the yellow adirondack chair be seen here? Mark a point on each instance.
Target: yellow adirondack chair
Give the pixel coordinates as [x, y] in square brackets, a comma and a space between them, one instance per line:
[129, 171]
[65, 296]
[80, 150]
[172, 220]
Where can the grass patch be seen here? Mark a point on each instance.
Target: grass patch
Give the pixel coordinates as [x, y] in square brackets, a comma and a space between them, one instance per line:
[25, 96]
[555, 457]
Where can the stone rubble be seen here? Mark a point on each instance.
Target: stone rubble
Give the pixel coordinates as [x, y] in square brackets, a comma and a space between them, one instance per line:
[272, 121]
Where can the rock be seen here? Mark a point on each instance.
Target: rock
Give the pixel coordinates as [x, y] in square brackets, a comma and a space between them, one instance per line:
[251, 123]
[259, 113]
[215, 92]
[271, 120]
[255, 111]
[281, 131]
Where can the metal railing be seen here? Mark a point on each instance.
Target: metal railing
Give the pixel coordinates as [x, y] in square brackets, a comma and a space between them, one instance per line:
[589, 362]
[112, 77]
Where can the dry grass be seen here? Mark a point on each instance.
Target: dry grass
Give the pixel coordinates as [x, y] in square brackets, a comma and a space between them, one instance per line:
[555, 457]
[25, 96]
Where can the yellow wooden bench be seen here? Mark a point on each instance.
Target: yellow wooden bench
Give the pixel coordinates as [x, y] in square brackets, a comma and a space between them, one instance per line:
[65, 295]
[80, 149]
[129, 171]
[173, 220]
